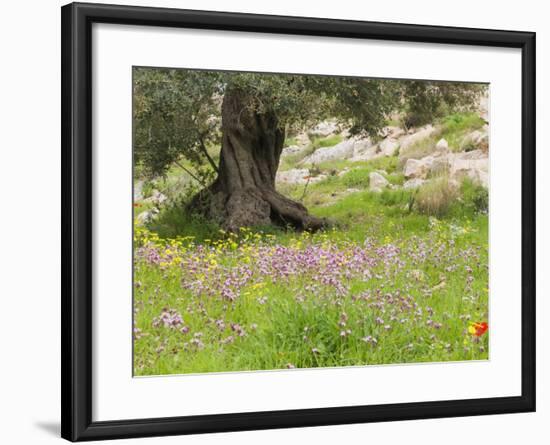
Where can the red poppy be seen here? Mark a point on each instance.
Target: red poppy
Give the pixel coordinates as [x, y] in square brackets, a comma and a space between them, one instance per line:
[137, 204]
[478, 329]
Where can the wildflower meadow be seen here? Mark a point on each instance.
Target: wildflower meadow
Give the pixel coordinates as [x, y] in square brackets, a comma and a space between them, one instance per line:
[294, 221]
[253, 300]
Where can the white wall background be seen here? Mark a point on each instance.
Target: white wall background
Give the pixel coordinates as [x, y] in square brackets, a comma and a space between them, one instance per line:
[30, 208]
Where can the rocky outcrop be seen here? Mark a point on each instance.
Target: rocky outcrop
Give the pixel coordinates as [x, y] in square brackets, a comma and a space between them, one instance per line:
[324, 129]
[477, 139]
[377, 182]
[412, 138]
[473, 165]
[388, 147]
[147, 216]
[343, 150]
[442, 146]
[413, 183]
[297, 176]
[293, 150]
[418, 168]
[156, 198]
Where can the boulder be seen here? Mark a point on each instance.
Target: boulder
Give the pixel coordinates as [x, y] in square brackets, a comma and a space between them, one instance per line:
[477, 169]
[156, 198]
[343, 150]
[479, 139]
[473, 164]
[298, 176]
[388, 147]
[392, 132]
[324, 129]
[293, 176]
[442, 146]
[418, 168]
[362, 146]
[413, 183]
[440, 165]
[147, 216]
[293, 150]
[377, 182]
[411, 139]
[302, 139]
[365, 150]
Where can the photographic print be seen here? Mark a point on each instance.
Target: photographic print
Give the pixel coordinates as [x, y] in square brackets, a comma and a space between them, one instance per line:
[287, 221]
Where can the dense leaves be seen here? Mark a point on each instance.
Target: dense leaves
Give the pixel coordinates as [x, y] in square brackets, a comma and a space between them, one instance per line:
[177, 112]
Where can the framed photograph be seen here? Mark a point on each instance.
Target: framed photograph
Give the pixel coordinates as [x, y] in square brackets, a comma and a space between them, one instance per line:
[273, 222]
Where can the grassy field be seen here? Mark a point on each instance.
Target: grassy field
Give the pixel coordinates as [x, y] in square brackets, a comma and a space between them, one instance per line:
[388, 283]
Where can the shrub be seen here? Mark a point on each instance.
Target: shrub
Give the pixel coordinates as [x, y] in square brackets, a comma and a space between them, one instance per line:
[147, 189]
[436, 196]
[456, 126]
[475, 196]
[386, 163]
[394, 197]
[357, 178]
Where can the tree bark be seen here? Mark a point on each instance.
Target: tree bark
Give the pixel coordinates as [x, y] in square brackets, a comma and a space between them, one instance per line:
[244, 195]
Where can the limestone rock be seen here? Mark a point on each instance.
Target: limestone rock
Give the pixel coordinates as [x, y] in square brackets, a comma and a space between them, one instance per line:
[413, 183]
[442, 146]
[411, 139]
[156, 198]
[324, 129]
[388, 146]
[343, 150]
[377, 182]
[293, 176]
[418, 168]
[293, 150]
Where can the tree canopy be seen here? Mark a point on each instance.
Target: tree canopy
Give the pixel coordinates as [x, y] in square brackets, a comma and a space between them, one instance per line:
[177, 112]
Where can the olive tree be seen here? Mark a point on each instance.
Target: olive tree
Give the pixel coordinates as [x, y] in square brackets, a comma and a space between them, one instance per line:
[182, 113]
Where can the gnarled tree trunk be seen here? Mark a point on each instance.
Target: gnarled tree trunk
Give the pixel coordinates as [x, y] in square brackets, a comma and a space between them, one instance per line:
[244, 193]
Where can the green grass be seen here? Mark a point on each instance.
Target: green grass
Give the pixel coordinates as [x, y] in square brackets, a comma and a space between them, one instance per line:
[425, 276]
[453, 128]
[327, 141]
[300, 328]
[456, 126]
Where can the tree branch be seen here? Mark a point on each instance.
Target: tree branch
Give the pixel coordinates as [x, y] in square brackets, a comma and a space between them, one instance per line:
[184, 168]
[207, 155]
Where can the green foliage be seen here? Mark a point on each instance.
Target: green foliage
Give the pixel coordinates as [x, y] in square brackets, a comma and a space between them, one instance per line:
[290, 141]
[453, 128]
[356, 178]
[177, 113]
[172, 111]
[457, 125]
[328, 141]
[282, 328]
[174, 220]
[425, 101]
[386, 163]
[474, 196]
[147, 189]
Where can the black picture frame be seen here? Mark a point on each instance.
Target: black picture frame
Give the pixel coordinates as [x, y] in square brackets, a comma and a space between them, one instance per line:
[76, 248]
